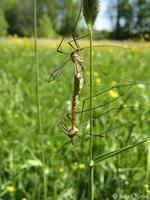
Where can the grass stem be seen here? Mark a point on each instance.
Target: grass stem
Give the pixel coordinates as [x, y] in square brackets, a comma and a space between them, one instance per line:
[38, 100]
[91, 172]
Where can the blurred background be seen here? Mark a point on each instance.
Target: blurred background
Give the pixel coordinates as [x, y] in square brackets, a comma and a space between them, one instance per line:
[118, 19]
[22, 168]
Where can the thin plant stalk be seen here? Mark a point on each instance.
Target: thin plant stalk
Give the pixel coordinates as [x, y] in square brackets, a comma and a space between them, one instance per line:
[90, 12]
[38, 100]
[91, 173]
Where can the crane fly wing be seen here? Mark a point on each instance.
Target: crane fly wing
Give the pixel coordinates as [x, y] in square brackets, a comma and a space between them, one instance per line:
[79, 77]
[57, 72]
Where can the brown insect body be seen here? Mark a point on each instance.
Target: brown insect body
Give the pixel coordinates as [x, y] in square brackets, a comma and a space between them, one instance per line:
[76, 58]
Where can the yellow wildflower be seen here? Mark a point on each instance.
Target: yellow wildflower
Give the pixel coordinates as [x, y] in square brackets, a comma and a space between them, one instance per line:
[23, 199]
[96, 74]
[113, 83]
[4, 141]
[98, 81]
[10, 189]
[81, 166]
[113, 93]
[61, 170]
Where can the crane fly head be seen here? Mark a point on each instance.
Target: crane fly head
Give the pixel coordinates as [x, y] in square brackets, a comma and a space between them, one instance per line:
[69, 132]
[73, 132]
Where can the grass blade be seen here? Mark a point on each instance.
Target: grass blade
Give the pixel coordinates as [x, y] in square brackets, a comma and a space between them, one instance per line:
[104, 156]
[39, 121]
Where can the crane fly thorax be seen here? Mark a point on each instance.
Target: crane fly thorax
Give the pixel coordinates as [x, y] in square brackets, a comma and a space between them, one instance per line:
[76, 56]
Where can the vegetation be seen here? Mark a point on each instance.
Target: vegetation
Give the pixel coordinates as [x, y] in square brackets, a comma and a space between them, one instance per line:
[129, 18]
[90, 12]
[38, 160]
[67, 170]
[3, 23]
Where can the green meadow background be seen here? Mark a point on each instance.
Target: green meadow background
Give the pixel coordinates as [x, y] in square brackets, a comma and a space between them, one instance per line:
[21, 166]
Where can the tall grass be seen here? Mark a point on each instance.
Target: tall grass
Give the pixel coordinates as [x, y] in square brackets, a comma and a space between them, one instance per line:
[39, 122]
[65, 175]
[90, 12]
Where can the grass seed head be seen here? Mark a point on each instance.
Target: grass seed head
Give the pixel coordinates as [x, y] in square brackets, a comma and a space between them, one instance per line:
[90, 11]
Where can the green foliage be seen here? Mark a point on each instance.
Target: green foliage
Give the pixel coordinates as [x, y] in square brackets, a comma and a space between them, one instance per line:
[104, 156]
[98, 35]
[90, 11]
[67, 12]
[24, 18]
[67, 170]
[3, 24]
[132, 18]
[7, 5]
[45, 28]
[128, 18]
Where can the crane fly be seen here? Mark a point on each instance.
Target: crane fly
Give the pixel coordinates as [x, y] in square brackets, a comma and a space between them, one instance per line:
[76, 57]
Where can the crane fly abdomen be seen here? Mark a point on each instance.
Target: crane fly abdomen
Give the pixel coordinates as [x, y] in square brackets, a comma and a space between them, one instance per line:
[77, 60]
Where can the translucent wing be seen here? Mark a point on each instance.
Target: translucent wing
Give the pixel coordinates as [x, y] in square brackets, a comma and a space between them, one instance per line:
[57, 72]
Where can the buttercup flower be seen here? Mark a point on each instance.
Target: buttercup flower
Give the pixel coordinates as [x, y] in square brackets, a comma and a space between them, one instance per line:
[113, 93]
[96, 74]
[113, 83]
[10, 189]
[98, 81]
[61, 170]
[81, 166]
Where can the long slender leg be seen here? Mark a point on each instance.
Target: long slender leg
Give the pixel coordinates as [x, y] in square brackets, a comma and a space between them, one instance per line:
[73, 33]
[65, 144]
[113, 87]
[111, 129]
[62, 120]
[99, 94]
[106, 103]
[115, 109]
[58, 48]
[85, 100]
[76, 39]
[108, 76]
[74, 29]
[107, 45]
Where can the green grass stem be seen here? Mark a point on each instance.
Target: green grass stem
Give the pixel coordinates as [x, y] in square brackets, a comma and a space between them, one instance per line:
[91, 173]
[39, 123]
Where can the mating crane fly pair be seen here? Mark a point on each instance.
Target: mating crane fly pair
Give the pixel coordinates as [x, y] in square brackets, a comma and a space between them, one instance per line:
[77, 58]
